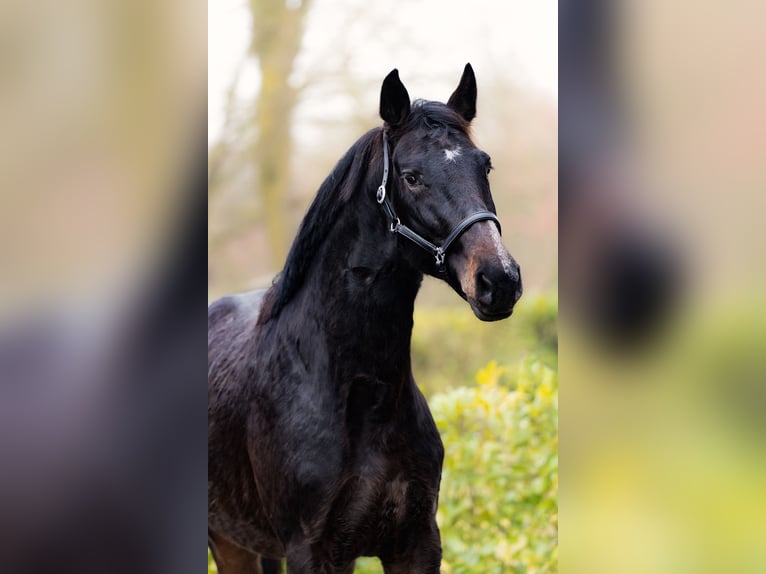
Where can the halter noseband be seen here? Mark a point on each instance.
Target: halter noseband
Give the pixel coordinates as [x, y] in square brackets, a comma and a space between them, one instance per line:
[396, 226]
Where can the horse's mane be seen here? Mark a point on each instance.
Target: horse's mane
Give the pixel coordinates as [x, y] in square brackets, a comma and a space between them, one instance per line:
[336, 190]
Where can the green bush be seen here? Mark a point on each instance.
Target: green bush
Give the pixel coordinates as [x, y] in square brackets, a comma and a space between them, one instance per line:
[498, 509]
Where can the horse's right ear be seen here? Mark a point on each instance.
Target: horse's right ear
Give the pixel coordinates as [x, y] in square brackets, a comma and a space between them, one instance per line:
[463, 99]
[394, 100]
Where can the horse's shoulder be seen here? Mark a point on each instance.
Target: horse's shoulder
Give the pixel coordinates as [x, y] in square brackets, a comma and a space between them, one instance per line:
[231, 330]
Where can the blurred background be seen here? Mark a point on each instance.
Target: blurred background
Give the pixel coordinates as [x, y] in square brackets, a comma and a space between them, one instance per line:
[662, 180]
[292, 85]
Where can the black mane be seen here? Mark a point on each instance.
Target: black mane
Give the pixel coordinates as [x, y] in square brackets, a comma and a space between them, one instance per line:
[335, 192]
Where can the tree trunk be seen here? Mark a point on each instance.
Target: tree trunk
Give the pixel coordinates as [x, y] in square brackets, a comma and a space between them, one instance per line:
[277, 33]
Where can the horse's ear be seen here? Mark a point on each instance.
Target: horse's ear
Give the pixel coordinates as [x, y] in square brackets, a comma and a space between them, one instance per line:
[463, 99]
[394, 100]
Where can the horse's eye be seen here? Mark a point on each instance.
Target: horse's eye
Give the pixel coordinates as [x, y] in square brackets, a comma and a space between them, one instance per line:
[410, 179]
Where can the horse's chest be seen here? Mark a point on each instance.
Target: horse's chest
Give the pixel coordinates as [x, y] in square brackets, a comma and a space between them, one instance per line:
[396, 466]
[380, 500]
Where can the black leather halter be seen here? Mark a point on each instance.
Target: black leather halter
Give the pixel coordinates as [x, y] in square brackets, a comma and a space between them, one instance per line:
[396, 226]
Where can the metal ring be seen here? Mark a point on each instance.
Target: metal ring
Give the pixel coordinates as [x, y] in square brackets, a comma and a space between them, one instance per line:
[381, 195]
[395, 224]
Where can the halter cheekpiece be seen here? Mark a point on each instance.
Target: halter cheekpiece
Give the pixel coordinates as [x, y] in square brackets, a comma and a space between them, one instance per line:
[396, 226]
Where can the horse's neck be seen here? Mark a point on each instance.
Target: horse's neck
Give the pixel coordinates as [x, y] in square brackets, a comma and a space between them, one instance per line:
[361, 297]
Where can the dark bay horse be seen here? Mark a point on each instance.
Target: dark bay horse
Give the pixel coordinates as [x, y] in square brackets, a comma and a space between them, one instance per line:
[321, 447]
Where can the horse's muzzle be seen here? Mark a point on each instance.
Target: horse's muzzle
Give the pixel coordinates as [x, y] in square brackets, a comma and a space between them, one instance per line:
[496, 290]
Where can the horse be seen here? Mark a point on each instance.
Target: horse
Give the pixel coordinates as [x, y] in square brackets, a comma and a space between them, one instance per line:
[321, 448]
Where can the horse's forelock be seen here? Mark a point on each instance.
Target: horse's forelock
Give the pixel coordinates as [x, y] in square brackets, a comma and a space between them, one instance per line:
[434, 115]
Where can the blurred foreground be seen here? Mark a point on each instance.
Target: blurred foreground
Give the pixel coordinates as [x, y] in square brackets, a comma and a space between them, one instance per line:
[662, 277]
[102, 227]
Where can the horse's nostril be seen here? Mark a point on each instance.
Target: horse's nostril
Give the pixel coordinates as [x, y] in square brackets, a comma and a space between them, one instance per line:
[484, 280]
[484, 288]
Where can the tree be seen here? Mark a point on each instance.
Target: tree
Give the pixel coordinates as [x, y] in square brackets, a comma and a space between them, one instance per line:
[277, 33]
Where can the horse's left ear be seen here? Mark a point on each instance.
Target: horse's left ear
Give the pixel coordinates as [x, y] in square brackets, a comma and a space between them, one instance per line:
[394, 100]
[463, 99]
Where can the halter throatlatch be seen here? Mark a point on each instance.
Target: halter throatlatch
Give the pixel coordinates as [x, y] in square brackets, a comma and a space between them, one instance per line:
[396, 226]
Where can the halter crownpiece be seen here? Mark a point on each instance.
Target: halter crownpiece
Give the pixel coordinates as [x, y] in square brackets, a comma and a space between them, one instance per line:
[396, 226]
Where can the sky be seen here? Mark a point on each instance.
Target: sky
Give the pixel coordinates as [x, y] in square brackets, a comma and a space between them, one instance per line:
[430, 40]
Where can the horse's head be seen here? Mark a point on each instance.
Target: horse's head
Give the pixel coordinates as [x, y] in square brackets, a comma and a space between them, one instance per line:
[439, 192]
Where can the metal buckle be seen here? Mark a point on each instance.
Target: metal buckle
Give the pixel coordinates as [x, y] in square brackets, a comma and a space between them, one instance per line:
[440, 256]
[381, 195]
[395, 224]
